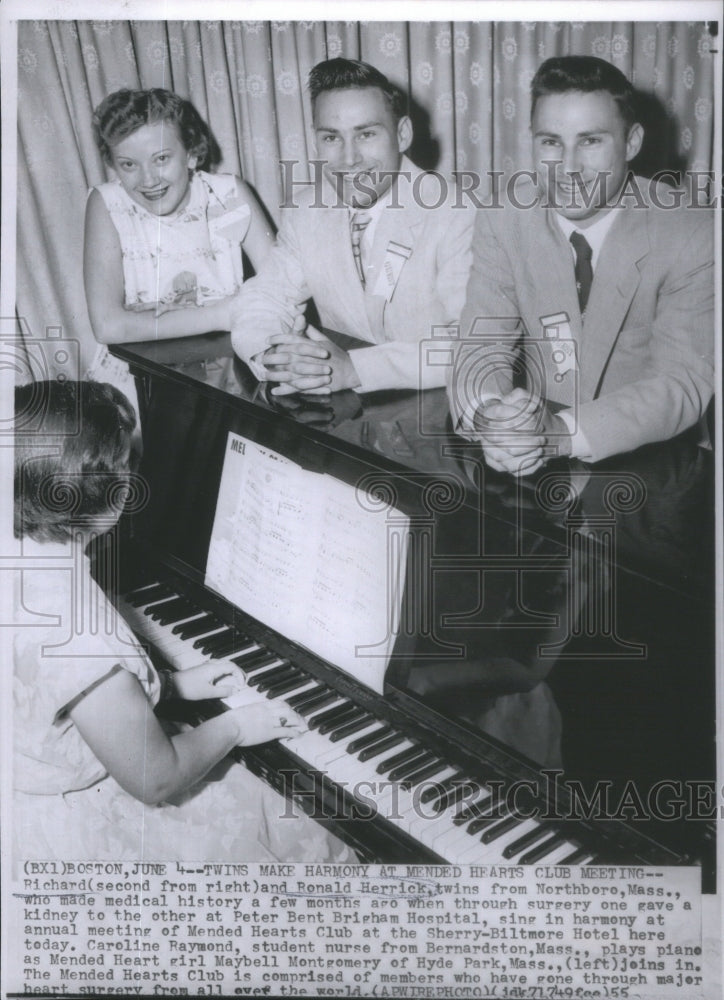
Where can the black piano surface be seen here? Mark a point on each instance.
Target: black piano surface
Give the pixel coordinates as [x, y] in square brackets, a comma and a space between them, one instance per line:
[568, 618]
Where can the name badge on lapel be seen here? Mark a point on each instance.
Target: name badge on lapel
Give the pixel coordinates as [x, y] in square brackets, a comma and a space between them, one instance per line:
[395, 256]
[557, 331]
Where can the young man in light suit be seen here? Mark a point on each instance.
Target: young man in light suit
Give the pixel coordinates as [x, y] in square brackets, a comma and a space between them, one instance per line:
[617, 332]
[382, 248]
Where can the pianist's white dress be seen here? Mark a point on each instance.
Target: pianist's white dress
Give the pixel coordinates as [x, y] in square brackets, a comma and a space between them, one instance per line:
[65, 805]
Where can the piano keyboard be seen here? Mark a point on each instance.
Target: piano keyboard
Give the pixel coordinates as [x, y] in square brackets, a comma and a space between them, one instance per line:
[458, 815]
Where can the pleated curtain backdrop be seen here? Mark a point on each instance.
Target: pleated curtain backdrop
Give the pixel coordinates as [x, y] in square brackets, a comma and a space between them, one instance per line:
[467, 83]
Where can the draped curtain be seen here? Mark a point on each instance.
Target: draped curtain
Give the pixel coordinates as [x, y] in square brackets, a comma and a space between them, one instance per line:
[467, 85]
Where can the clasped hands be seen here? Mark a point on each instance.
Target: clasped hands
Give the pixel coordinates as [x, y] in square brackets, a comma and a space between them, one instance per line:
[519, 433]
[307, 361]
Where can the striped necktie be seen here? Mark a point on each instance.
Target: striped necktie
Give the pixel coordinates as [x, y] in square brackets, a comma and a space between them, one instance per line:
[583, 270]
[358, 224]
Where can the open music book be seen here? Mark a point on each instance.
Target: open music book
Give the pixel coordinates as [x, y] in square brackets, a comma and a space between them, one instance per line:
[311, 557]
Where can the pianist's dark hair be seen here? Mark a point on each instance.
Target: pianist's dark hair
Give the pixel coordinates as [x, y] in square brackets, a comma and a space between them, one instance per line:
[585, 74]
[123, 112]
[350, 74]
[72, 441]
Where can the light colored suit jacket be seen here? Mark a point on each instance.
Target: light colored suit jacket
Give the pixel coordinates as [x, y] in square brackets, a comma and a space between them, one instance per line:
[313, 259]
[645, 351]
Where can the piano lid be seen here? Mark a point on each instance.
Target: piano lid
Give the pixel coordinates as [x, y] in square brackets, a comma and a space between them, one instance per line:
[661, 497]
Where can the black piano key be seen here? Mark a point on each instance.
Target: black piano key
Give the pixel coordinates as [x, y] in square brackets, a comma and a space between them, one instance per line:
[186, 607]
[403, 771]
[352, 713]
[143, 588]
[149, 610]
[435, 792]
[580, 854]
[329, 715]
[483, 822]
[400, 758]
[304, 696]
[284, 687]
[166, 619]
[350, 728]
[526, 841]
[362, 742]
[485, 807]
[171, 605]
[180, 628]
[234, 644]
[255, 659]
[206, 643]
[197, 627]
[376, 749]
[542, 849]
[146, 595]
[326, 698]
[219, 640]
[424, 773]
[455, 796]
[263, 681]
[504, 826]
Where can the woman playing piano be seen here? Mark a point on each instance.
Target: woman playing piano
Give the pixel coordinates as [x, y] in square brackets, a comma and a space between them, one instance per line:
[96, 774]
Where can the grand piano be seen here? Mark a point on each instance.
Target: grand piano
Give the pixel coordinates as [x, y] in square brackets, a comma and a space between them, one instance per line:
[550, 694]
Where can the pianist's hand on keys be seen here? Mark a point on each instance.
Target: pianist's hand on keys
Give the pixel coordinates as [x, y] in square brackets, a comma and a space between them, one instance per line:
[258, 720]
[208, 680]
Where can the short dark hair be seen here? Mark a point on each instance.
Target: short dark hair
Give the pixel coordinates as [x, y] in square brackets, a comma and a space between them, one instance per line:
[351, 74]
[586, 74]
[72, 464]
[123, 112]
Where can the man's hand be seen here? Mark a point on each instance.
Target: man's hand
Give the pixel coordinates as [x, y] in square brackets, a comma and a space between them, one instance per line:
[311, 363]
[519, 434]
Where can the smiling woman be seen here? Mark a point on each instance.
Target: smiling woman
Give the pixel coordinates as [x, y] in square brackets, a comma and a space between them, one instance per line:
[163, 238]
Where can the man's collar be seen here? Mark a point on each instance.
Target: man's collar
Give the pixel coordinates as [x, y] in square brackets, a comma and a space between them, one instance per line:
[375, 210]
[596, 231]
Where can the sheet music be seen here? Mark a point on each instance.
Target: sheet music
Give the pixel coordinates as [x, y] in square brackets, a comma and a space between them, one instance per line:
[296, 550]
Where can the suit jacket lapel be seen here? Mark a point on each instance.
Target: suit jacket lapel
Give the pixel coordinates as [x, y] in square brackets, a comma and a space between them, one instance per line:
[557, 290]
[399, 225]
[615, 281]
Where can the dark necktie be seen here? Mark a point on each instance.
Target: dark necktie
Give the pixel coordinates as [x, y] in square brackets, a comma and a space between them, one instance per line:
[584, 271]
[360, 221]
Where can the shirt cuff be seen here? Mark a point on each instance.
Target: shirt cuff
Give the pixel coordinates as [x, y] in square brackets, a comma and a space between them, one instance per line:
[366, 365]
[580, 448]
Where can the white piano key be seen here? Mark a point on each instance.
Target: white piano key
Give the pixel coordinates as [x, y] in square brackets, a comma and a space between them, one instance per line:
[450, 841]
[494, 850]
[559, 853]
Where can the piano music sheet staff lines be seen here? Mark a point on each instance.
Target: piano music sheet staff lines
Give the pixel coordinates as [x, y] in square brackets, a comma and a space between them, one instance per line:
[296, 550]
